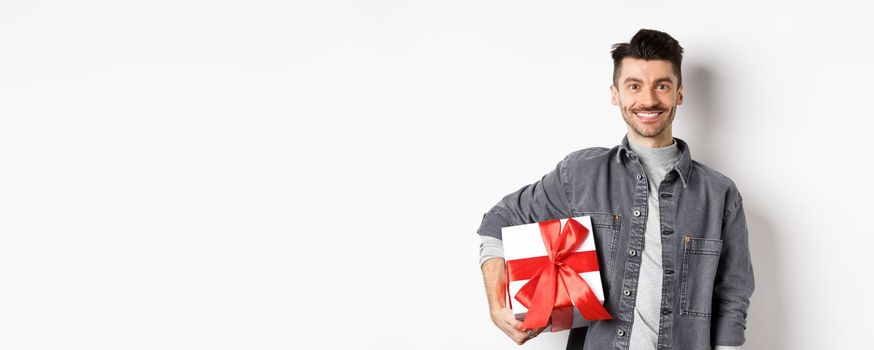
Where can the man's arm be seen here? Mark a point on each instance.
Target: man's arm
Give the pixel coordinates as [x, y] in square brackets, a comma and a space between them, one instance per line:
[546, 199]
[496, 287]
[734, 278]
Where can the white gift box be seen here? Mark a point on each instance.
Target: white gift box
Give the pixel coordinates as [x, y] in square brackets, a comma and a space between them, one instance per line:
[525, 241]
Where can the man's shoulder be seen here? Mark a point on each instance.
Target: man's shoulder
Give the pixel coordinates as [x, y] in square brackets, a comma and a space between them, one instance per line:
[591, 154]
[711, 175]
[715, 179]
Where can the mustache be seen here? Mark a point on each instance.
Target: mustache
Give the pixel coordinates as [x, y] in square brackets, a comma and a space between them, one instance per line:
[649, 109]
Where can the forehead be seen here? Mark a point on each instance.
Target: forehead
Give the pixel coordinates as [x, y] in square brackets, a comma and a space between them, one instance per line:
[646, 70]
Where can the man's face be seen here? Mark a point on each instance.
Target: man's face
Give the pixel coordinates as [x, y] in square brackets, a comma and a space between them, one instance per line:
[647, 94]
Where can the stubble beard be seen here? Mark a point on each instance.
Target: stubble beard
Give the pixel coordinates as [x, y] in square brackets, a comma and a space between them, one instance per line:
[627, 114]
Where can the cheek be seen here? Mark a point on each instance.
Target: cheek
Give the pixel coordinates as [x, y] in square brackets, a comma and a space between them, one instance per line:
[625, 102]
[669, 101]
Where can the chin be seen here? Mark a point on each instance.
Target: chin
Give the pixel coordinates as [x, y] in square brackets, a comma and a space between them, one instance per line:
[650, 132]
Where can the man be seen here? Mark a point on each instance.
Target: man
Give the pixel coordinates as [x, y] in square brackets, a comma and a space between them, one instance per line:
[670, 232]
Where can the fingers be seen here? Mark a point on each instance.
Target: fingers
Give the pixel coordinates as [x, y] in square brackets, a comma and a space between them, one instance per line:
[528, 334]
[520, 334]
[507, 322]
[516, 324]
[513, 328]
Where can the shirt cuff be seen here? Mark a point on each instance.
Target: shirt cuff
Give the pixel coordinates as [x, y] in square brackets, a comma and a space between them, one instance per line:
[491, 248]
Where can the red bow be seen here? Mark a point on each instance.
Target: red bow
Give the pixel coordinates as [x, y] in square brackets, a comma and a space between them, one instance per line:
[554, 280]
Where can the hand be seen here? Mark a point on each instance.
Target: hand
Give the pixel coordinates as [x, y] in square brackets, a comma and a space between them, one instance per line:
[504, 319]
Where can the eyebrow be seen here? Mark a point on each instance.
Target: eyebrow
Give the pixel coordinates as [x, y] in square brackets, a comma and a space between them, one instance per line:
[635, 80]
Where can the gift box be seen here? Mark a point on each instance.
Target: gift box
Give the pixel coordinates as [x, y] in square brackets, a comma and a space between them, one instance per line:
[553, 273]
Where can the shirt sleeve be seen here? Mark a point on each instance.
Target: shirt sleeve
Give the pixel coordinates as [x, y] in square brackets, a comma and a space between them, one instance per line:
[545, 199]
[734, 278]
[490, 248]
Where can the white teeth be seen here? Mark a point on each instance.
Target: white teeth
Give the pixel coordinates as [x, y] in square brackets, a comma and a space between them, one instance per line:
[647, 114]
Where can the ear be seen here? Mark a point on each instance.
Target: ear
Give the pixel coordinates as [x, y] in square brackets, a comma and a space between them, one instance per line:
[680, 95]
[614, 95]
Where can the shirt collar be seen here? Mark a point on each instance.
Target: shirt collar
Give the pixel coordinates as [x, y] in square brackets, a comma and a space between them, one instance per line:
[684, 164]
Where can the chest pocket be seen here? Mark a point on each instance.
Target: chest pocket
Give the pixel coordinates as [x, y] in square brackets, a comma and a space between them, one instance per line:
[606, 228]
[700, 260]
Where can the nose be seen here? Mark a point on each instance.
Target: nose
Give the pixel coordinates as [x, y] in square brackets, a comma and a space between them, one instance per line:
[649, 99]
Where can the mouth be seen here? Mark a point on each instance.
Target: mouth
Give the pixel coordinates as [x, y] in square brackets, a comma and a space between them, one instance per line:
[648, 115]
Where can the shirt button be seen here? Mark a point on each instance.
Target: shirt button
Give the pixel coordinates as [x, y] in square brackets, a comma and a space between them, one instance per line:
[639, 177]
[626, 292]
[666, 311]
[669, 272]
[632, 252]
[620, 332]
[637, 213]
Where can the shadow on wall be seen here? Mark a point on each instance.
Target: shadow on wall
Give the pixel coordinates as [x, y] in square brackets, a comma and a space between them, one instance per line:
[700, 113]
[766, 321]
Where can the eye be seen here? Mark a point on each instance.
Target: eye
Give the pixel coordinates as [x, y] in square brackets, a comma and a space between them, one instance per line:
[634, 86]
[663, 87]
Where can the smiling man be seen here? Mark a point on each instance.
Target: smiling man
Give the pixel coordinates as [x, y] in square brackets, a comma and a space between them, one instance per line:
[671, 232]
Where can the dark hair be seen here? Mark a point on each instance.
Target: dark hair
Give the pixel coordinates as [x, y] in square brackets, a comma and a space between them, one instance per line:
[649, 45]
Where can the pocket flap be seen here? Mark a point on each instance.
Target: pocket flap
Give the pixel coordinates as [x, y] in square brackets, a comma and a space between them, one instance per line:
[703, 245]
[601, 219]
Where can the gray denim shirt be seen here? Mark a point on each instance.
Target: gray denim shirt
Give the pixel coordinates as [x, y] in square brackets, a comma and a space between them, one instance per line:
[708, 275]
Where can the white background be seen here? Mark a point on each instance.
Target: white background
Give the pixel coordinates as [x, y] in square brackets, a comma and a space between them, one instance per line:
[289, 175]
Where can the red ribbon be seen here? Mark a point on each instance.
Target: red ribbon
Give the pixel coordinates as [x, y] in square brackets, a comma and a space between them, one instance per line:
[554, 280]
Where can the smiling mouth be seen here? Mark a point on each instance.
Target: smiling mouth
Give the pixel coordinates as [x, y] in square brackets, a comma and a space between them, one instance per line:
[648, 115]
